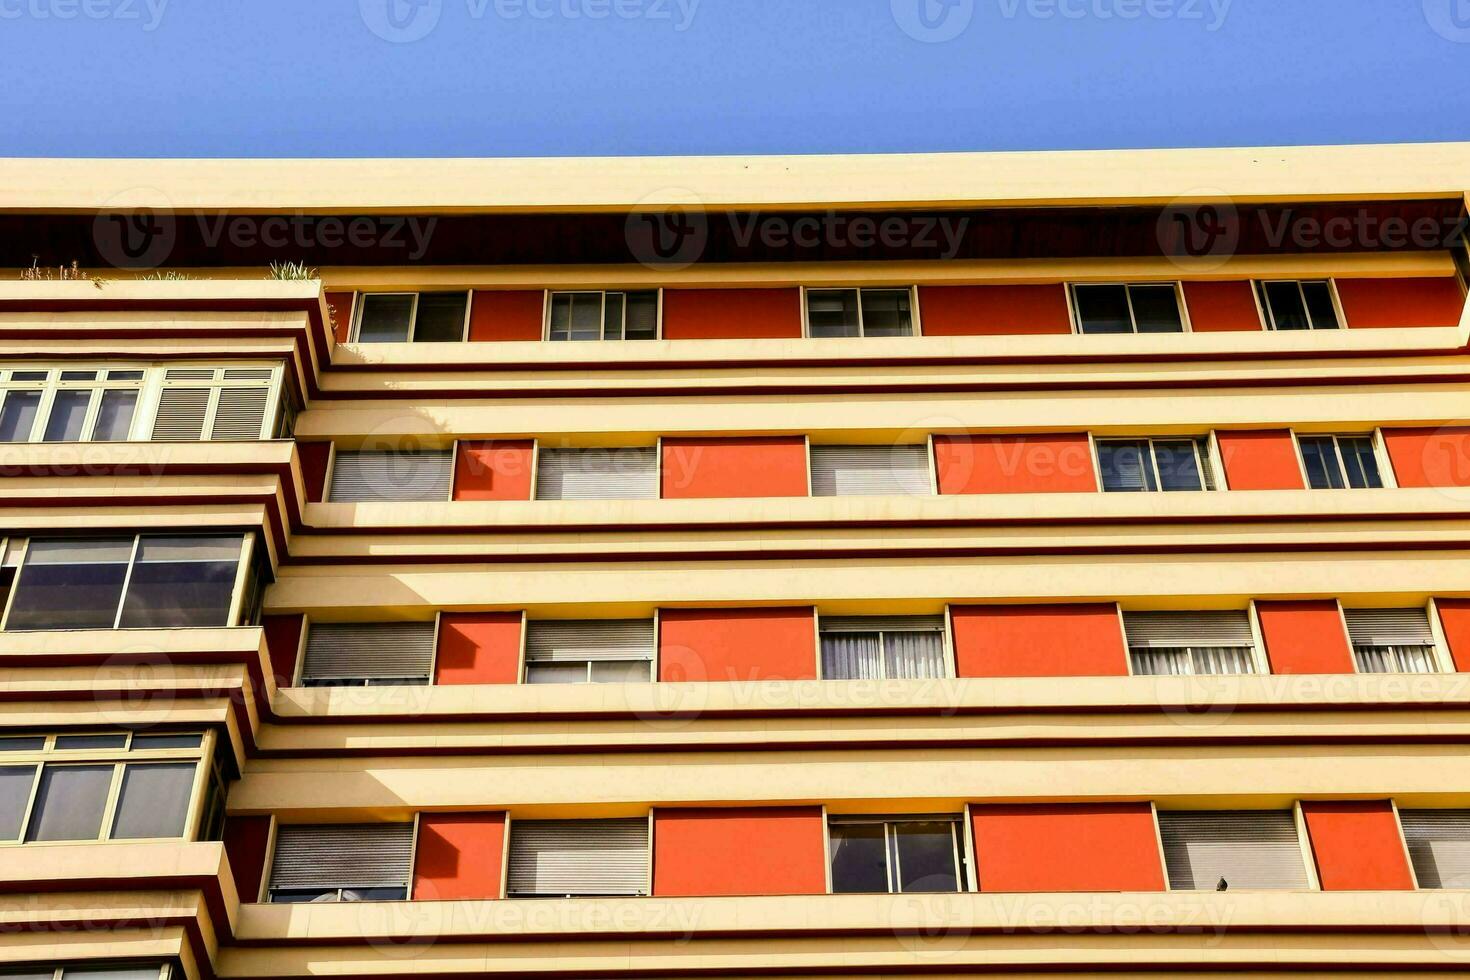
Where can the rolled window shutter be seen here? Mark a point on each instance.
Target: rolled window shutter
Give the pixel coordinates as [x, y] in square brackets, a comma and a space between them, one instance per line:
[1389, 627]
[877, 624]
[862, 471]
[579, 857]
[181, 414]
[369, 651]
[325, 856]
[1171, 630]
[597, 474]
[549, 641]
[1439, 846]
[239, 414]
[1250, 849]
[359, 477]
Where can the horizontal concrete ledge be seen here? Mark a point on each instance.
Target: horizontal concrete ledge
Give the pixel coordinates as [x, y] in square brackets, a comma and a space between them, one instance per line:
[125, 645]
[112, 865]
[124, 289]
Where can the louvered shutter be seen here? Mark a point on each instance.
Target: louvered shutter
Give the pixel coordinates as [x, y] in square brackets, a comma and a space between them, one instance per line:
[181, 412]
[325, 856]
[597, 474]
[550, 641]
[1171, 630]
[579, 857]
[1389, 627]
[862, 471]
[359, 477]
[239, 413]
[1439, 846]
[369, 651]
[1250, 849]
[876, 624]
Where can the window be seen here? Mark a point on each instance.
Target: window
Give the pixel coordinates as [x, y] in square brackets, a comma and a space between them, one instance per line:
[565, 858]
[1128, 308]
[1136, 465]
[116, 972]
[368, 654]
[1439, 846]
[1190, 642]
[360, 476]
[227, 403]
[341, 863]
[1207, 849]
[896, 854]
[69, 405]
[868, 471]
[149, 580]
[1298, 304]
[871, 647]
[597, 474]
[108, 786]
[603, 315]
[395, 318]
[869, 312]
[1392, 641]
[1336, 462]
[597, 651]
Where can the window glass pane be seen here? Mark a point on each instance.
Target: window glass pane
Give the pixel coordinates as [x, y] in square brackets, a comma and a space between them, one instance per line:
[69, 803]
[111, 740]
[576, 316]
[886, 313]
[115, 416]
[612, 316]
[298, 896]
[124, 375]
[1102, 309]
[385, 318]
[1284, 303]
[111, 973]
[441, 317]
[68, 411]
[143, 742]
[1359, 462]
[70, 584]
[911, 654]
[621, 671]
[859, 858]
[556, 673]
[1319, 304]
[182, 582]
[640, 318]
[15, 793]
[78, 375]
[832, 312]
[1320, 460]
[374, 894]
[926, 857]
[23, 743]
[1178, 466]
[154, 801]
[1156, 309]
[18, 415]
[1124, 466]
[851, 656]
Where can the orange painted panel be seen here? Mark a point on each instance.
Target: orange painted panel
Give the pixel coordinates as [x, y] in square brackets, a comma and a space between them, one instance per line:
[1357, 845]
[458, 856]
[494, 469]
[731, 314]
[1454, 616]
[506, 314]
[1261, 459]
[1305, 636]
[341, 304]
[314, 458]
[754, 466]
[739, 851]
[737, 644]
[1052, 463]
[1437, 457]
[1072, 640]
[283, 644]
[1221, 306]
[1426, 302]
[478, 648]
[1067, 847]
[958, 311]
[246, 840]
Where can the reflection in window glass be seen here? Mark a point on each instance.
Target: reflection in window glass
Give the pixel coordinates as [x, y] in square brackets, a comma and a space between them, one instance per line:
[440, 317]
[15, 793]
[1125, 466]
[1156, 309]
[386, 318]
[68, 412]
[1102, 309]
[1177, 464]
[832, 312]
[70, 584]
[69, 803]
[154, 801]
[886, 313]
[115, 416]
[925, 856]
[186, 581]
[895, 855]
[576, 316]
[112, 740]
[859, 858]
[18, 415]
[1337, 462]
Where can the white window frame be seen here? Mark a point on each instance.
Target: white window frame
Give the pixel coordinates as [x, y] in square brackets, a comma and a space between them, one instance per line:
[119, 758]
[1257, 657]
[862, 334]
[602, 291]
[1380, 457]
[1074, 315]
[1204, 460]
[956, 820]
[359, 305]
[946, 650]
[1440, 654]
[1268, 317]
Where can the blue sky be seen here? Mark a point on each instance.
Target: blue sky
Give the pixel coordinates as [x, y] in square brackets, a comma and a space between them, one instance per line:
[579, 77]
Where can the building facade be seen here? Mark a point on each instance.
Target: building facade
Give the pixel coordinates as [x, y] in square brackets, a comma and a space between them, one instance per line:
[1010, 564]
